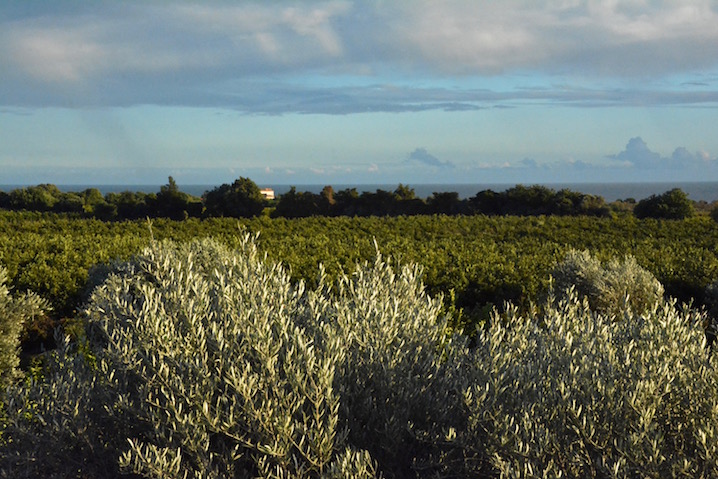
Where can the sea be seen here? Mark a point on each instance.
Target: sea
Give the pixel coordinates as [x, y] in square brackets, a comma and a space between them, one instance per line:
[697, 191]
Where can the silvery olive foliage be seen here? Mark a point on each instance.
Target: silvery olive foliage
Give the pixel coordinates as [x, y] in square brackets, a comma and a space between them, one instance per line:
[613, 288]
[206, 362]
[576, 393]
[14, 312]
[234, 366]
[69, 421]
[403, 377]
[212, 364]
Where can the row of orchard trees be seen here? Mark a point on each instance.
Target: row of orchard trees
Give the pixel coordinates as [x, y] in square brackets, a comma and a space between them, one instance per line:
[519, 200]
[243, 198]
[169, 202]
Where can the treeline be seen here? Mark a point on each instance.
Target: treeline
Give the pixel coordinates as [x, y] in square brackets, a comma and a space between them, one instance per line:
[244, 199]
[519, 200]
[169, 202]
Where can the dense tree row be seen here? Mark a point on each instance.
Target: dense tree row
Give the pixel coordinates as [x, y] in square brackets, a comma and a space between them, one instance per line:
[243, 199]
[169, 202]
[519, 200]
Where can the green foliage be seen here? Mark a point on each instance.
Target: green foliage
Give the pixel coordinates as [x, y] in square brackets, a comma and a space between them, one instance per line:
[241, 199]
[485, 260]
[672, 205]
[171, 203]
[446, 203]
[35, 198]
[300, 205]
[14, 314]
[537, 200]
[614, 289]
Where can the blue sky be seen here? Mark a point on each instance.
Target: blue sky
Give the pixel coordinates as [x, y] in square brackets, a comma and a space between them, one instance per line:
[337, 92]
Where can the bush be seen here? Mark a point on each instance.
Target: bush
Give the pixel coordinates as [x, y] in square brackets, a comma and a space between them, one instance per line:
[14, 313]
[572, 393]
[235, 371]
[672, 205]
[206, 362]
[69, 419]
[615, 288]
[403, 379]
[213, 364]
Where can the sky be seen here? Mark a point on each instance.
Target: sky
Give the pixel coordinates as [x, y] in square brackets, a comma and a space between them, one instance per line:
[358, 92]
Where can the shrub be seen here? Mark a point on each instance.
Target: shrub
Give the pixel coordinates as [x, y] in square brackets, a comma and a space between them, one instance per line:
[222, 366]
[207, 362]
[234, 370]
[672, 205]
[14, 313]
[402, 381]
[69, 419]
[611, 289]
[573, 393]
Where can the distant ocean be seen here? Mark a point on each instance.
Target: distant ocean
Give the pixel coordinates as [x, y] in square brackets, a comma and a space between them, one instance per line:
[698, 191]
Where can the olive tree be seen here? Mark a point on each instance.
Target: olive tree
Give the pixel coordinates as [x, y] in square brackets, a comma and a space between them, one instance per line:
[14, 313]
[612, 288]
[575, 393]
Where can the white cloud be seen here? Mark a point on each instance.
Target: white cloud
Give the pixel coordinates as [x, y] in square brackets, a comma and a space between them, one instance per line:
[596, 36]
[212, 53]
[232, 40]
[51, 54]
[637, 154]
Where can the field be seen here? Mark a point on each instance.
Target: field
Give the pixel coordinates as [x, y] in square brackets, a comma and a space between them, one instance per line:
[229, 351]
[480, 261]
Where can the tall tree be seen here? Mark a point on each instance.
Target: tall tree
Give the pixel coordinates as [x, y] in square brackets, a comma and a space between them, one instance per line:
[241, 199]
[672, 205]
[174, 204]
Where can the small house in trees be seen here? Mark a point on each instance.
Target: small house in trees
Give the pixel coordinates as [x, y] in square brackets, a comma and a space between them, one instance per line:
[268, 193]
